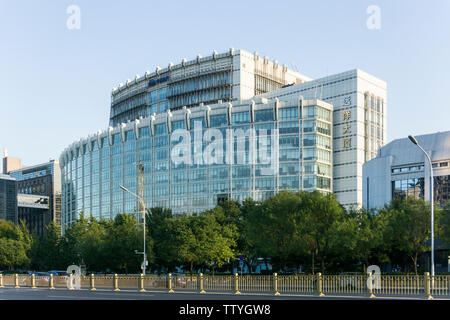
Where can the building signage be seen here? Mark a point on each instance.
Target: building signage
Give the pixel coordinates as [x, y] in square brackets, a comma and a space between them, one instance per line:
[152, 83]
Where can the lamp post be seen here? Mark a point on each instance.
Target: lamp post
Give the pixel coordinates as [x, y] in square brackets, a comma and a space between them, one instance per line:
[144, 265]
[414, 140]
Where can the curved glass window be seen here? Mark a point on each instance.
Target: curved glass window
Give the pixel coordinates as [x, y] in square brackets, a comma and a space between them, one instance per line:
[219, 120]
[144, 132]
[160, 129]
[264, 115]
[181, 124]
[240, 117]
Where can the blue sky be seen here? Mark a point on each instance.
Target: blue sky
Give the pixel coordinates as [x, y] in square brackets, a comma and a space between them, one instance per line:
[55, 83]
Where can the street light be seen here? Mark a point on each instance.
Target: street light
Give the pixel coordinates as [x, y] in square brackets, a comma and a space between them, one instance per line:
[414, 140]
[144, 265]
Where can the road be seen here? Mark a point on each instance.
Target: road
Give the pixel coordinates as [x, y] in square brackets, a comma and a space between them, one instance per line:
[64, 294]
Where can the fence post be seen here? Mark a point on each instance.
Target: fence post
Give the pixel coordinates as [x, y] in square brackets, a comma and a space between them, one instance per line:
[33, 281]
[141, 283]
[427, 283]
[370, 285]
[116, 282]
[201, 284]
[50, 283]
[170, 283]
[92, 282]
[275, 284]
[1, 281]
[16, 281]
[319, 285]
[236, 284]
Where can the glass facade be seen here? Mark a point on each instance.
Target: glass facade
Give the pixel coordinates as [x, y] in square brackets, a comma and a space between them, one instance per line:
[8, 198]
[408, 188]
[416, 188]
[93, 171]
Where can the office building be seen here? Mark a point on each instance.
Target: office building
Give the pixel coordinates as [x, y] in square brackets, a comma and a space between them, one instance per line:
[39, 195]
[233, 75]
[8, 198]
[401, 170]
[327, 129]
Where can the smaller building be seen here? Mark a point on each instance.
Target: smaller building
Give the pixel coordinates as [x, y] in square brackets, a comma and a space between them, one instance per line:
[8, 198]
[10, 164]
[39, 195]
[401, 170]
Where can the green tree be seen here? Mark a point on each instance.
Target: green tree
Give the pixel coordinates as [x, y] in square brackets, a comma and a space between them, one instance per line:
[408, 229]
[12, 254]
[182, 237]
[71, 242]
[92, 244]
[366, 230]
[323, 217]
[124, 237]
[15, 245]
[215, 241]
[158, 229]
[46, 251]
[274, 227]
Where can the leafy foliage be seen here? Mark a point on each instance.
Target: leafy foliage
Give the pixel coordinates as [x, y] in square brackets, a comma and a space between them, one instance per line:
[309, 230]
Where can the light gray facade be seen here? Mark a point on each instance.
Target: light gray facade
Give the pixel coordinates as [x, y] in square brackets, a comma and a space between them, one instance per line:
[400, 170]
[359, 124]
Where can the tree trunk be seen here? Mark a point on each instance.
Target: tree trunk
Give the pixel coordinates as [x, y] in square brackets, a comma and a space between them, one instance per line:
[415, 263]
[322, 262]
[312, 264]
[192, 267]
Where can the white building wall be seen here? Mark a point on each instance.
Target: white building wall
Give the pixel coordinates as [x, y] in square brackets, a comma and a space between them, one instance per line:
[403, 153]
[243, 75]
[346, 92]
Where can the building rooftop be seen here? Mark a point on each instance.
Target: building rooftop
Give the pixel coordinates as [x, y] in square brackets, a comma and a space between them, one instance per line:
[438, 144]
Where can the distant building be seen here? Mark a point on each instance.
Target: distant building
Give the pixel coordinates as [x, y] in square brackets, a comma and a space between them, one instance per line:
[400, 170]
[10, 164]
[8, 198]
[39, 195]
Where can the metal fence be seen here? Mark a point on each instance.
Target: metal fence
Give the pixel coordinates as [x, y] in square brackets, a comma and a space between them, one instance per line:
[340, 285]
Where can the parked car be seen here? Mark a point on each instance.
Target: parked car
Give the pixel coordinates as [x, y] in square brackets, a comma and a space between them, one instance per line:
[57, 273]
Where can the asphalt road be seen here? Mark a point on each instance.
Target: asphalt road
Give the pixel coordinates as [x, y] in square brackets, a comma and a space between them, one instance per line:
[64, 294]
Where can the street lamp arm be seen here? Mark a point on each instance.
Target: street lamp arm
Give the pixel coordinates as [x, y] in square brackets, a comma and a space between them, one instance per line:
[132, 193]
